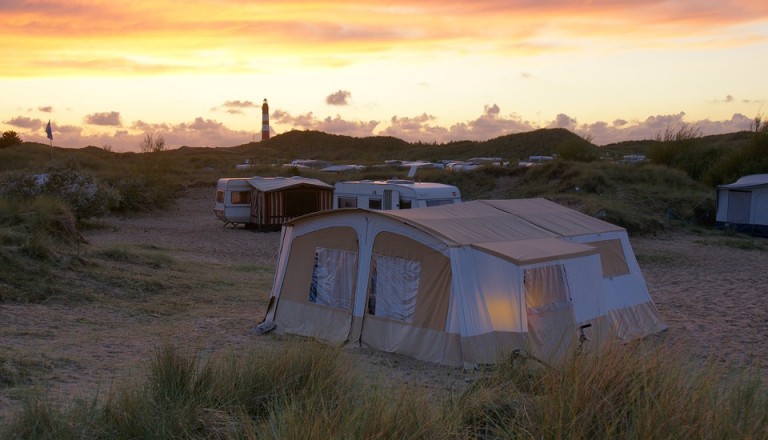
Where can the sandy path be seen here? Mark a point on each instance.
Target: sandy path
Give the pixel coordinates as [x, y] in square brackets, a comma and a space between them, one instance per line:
[712, 297]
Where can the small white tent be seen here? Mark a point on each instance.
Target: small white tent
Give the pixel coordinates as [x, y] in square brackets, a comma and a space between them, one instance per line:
[743, 205]
[460, 284]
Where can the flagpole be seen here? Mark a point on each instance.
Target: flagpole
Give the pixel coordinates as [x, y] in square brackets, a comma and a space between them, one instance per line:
[49, 134]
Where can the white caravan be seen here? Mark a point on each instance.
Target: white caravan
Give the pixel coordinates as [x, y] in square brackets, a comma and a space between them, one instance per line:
[393, 194]
[233, 200]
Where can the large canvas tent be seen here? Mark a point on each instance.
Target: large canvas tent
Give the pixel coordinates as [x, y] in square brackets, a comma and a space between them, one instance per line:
[460, 284]
[743, 205]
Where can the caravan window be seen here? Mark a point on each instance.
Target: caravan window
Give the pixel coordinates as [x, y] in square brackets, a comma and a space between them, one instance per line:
[374, 203]
[333, 278]
[219, 196]
[241, 197]
[405, 204]
[347, 202]
[394, 288]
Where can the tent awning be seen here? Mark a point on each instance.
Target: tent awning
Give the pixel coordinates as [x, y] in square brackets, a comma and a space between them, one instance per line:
[268, 184]
[534, 251]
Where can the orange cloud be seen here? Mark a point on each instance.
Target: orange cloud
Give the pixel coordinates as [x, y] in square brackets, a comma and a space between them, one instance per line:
[155, 37]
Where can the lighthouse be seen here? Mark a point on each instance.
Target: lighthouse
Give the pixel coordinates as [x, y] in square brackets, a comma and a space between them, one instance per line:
[265, 120]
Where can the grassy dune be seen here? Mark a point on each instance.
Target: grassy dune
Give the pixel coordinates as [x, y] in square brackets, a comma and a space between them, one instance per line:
[309, 391]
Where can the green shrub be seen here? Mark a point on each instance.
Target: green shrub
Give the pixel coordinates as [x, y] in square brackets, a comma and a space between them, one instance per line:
[9, 138]
[577, 151]
[748, 159]
[85, 197]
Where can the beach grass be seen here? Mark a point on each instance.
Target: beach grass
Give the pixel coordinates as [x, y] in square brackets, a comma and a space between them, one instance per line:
[309, 390]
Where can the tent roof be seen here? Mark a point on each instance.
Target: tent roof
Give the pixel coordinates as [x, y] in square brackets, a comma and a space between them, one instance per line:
[554, 217]
[469, 222]
[747, 182]
[491, 221]
[536, 250]
[268, 184]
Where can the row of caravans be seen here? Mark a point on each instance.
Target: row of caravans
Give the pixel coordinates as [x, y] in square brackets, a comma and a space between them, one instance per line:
[271, 201]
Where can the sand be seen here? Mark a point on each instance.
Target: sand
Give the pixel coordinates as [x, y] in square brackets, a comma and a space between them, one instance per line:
[711, 296]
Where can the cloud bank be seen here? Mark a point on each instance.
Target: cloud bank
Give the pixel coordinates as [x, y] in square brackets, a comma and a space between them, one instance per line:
[492, 122]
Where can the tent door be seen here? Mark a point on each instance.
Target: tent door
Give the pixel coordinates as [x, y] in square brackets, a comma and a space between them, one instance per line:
[739, 204]
[551, 322]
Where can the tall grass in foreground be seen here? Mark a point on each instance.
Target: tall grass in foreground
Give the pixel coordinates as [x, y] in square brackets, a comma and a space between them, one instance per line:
[305, 391]
[625, 392]
[309, 391]
[36, 236]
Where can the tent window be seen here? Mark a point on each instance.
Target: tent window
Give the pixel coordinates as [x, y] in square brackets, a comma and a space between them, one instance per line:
[546, 289]
[333, 278]
[394, 288]
[241, 197]
[612, 258]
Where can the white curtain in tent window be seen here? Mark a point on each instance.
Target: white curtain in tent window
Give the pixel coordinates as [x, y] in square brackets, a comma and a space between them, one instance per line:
[333, 278]
[551, 322]
[394, 288]
[546, 289]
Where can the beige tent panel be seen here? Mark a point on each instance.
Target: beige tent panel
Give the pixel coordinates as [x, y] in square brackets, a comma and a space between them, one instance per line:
[612, 257]
[302, 258]
[435, 279]
[312, 320]
[536, 250]
[295, 313]
[490, 348]
[635, 321]
[421, 343]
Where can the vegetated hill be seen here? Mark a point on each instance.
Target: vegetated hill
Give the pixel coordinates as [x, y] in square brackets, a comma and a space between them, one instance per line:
[24, 155]
[297, 144]
[726, 141]
[543, 142]
[369, 150]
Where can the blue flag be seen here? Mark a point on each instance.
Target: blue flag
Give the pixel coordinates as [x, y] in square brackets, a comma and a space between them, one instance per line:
[48, 130]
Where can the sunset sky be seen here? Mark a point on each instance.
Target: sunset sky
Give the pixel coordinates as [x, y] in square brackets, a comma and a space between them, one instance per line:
[107, 72]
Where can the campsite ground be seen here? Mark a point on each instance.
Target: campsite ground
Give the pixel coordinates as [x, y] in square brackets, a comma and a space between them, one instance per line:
[710, 294]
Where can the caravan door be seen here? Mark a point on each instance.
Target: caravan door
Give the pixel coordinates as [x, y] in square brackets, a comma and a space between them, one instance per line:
[391, 199]
[551, 321]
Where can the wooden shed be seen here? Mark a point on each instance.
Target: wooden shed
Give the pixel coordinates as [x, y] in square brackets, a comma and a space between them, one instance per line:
[276, 200]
